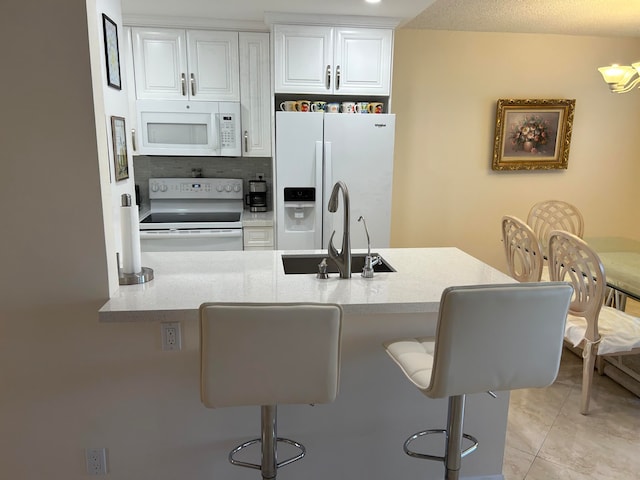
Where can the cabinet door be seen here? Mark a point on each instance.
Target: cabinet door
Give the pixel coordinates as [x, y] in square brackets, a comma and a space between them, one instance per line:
[303, 59]
[258, 238]
[362, 61]
[213, 66]
[160, 63]
[255, 94]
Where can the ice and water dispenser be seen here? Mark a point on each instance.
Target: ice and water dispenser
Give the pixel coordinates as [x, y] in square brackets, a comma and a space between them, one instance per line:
[300, 223]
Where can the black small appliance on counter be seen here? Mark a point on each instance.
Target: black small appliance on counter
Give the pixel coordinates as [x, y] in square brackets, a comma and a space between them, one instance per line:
[256, 199]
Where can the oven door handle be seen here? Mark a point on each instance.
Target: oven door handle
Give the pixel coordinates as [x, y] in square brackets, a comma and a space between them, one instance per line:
[162, 234]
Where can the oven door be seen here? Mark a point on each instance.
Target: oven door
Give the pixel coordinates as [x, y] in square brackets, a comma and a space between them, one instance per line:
[208, 240]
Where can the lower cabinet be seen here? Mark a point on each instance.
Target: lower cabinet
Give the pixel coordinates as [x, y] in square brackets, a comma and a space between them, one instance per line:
[258, 238]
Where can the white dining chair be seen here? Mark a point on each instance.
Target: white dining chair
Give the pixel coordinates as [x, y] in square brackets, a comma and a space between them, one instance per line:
[597, 329]
[525, 262]
[549, 215]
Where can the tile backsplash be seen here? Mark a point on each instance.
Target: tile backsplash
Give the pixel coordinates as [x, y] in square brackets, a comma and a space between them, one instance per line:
[146, 167]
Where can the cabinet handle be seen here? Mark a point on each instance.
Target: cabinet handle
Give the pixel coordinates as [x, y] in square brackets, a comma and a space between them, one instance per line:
[246, 141]
[193, 85]
[328, 77]
[338, 77]
[184, 85]
[134, 143]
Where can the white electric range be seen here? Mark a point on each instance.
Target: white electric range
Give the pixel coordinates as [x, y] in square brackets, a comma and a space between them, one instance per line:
[193, 214]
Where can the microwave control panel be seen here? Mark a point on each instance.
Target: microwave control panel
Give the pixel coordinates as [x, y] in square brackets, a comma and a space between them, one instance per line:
[228, 130]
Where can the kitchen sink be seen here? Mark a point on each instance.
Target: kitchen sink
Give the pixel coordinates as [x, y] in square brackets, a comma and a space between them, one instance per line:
[301, 264]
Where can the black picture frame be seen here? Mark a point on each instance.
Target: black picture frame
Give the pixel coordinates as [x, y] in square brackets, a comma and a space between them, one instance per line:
[112, 52]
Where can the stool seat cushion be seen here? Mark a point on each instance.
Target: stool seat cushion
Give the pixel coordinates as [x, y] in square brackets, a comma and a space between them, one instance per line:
[415, 357]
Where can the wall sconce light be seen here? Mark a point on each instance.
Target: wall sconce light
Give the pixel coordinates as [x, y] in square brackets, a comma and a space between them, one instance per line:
[621, 77]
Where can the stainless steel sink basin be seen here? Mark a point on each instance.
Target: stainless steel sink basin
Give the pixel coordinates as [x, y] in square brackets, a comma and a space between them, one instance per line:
[301, 264]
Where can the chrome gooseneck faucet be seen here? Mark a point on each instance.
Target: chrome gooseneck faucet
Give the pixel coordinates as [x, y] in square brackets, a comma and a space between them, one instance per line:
[369, 261]
[342, 258]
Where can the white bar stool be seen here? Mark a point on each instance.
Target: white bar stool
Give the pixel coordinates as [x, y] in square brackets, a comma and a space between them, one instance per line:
[489, 337]
[269, 354]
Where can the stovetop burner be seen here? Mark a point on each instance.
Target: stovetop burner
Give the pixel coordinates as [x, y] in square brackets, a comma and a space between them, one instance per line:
[191, 217]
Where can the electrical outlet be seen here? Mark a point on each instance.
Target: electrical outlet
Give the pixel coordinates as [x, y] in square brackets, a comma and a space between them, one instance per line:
[171, 337]
[96, 461]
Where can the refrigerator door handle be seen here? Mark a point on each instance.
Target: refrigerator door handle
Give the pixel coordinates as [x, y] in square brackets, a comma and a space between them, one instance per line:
[318, 166]
[327, 224]
[328, 173]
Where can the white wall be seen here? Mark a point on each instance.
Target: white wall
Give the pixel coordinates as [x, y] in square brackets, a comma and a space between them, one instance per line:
[445, 88]
[108, 102]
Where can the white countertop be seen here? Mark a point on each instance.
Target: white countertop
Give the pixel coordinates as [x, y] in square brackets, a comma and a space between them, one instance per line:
[257, 219]
[184, 280]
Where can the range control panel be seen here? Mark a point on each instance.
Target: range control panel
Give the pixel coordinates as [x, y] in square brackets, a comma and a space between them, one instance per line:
[181, 188]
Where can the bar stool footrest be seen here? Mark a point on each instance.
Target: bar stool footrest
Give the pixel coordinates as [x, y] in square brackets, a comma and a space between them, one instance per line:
[437, 458]
[244, 445]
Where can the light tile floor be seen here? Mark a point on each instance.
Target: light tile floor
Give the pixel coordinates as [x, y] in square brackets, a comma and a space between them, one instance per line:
[548, 438]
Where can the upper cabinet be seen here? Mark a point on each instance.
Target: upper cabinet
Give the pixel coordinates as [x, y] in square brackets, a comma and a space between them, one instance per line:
[175, 64]
[255, 94]
[332, 60]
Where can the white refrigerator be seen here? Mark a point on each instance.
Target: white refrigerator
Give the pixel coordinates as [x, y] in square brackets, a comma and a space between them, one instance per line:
[313, 152]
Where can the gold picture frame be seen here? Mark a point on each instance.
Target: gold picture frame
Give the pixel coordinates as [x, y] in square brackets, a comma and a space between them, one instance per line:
[119, 141]
[533, 134]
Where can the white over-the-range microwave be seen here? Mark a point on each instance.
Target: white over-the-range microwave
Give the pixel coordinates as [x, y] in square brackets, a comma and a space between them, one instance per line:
[175, 127]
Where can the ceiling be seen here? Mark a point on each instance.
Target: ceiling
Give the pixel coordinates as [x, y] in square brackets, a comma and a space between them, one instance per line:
[613, 18]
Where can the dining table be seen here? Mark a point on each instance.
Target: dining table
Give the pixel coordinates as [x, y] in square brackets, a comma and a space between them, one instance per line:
[620, 257]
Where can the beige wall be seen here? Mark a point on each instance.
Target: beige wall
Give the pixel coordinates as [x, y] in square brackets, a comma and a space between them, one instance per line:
[445, 88]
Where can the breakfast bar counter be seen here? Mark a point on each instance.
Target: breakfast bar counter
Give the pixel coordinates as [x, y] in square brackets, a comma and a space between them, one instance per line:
[184, 280]
[361, 434]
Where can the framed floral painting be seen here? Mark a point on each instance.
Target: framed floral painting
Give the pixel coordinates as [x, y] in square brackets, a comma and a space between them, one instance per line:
[532, 134]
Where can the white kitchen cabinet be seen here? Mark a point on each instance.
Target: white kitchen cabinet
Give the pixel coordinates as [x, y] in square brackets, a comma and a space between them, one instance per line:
[175, 64]
[258, 238]
[332, 60]
[255, 94]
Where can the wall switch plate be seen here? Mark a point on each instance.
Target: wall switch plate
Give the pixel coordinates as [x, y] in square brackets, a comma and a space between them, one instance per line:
[96, 461]
[171, 336]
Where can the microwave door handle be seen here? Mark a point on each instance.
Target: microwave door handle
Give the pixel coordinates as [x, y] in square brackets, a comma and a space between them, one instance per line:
[215, 134]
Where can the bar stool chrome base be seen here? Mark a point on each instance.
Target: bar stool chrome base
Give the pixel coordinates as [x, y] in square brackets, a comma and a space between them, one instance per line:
[453, 450]
[268, 439]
